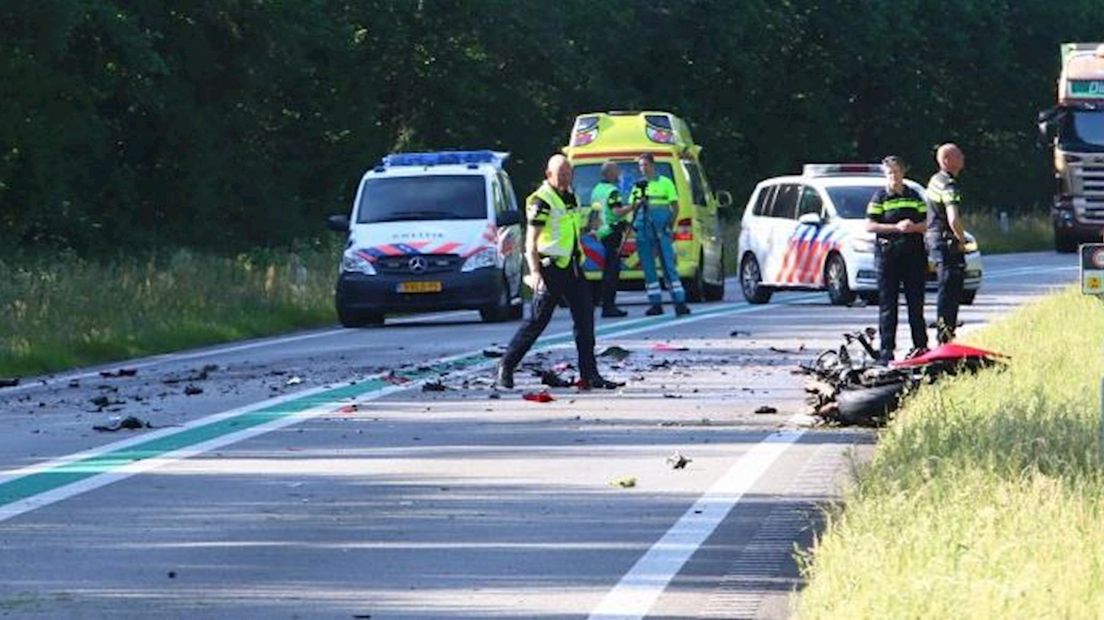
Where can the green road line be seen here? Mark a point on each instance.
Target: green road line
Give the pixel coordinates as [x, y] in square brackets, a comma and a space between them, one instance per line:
[37, 483]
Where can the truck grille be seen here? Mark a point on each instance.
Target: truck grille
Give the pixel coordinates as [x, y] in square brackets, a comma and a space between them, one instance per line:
[1088, 187]
[434, 263]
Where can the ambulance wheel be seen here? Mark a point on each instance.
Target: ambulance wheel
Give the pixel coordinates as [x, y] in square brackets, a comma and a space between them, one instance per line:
[695, 285]
[751, 281]
[835, 277]
[967, 297]
[715, 292]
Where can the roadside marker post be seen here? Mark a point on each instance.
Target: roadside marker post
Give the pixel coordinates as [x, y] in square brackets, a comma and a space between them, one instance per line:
[1092, 283]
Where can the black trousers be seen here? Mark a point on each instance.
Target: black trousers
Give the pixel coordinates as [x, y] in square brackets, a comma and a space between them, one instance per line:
[568, 284]
[903, 265]
[952, 273]
[611, 271]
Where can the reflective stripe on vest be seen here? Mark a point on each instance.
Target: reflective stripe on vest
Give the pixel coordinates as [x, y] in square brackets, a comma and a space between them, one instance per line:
[559, 237]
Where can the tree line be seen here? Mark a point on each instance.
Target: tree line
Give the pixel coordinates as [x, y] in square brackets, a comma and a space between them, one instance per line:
[228, 124]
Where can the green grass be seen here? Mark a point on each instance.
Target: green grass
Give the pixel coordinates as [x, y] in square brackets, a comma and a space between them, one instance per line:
[985, 496]
[63, 312]
[1027, 232]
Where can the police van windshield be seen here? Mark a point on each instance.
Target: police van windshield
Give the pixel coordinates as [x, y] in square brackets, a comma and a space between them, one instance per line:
[586, 176]
[851, 200]
[431, 197]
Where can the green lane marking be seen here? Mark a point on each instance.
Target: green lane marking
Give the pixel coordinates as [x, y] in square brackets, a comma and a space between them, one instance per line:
[64, 474]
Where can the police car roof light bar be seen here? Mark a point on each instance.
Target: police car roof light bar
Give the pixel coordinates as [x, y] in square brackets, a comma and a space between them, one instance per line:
[822, 170]
[445, 158]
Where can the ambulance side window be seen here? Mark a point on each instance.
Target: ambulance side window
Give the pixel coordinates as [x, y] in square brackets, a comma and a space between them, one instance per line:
[785, 202]
[697, 188]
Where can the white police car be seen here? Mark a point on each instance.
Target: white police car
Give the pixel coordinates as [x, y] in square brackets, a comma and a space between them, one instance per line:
[431, 231]
[808, 232]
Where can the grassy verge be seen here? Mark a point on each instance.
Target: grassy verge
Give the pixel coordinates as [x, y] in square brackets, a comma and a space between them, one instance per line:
[64, 312]
[1027, 232]
[985, 497]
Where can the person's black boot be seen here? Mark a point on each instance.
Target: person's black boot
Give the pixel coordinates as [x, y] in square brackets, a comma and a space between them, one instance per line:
[504, 376]
[654, 310]
[682, 309]
[598, 383]
[613, 312]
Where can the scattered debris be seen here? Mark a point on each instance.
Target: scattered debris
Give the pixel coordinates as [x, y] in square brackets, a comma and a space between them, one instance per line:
[192, 390]
[538, 397]
[625, 482]
[121, 372]
[678, 461]
[736, 333]
[780, 350]
[551, 379]
[671, 395]
[130, 423]
[615, 353]
[74, 383]
[494, 396]
[660, 364]
[663, 346]
[563, 367]
[493, 352]
[434, 386]
[294, 380]
[766, 409]
[172, 574]
[9, 382]
[395, 379]
[102, 401]
[347, 408]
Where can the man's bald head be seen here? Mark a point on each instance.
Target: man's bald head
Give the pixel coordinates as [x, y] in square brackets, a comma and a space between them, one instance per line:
[950, 158]
[611, 171]
[558, 172]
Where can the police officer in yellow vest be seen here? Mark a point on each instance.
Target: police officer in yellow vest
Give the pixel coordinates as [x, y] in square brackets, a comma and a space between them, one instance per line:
[608, 210]
[553, 254]
[657, 206]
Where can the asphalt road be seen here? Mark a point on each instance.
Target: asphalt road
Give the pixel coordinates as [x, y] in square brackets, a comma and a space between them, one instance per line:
[291, 478]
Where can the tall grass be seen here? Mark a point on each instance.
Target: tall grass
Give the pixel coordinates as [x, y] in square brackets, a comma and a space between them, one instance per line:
[985, 497]
[1026, 232]
[60, 312]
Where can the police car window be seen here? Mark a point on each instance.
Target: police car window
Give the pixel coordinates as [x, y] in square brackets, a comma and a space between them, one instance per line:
[763, 200]
[810, 202]
[499, 198]
[511, 199]
[586, 176]
[851, 201]
[785, 203]
[432, 197]
[697, 188]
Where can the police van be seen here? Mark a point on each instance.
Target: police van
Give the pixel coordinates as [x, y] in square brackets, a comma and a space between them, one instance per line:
[621, 137]
[431, 231]
[808, 232]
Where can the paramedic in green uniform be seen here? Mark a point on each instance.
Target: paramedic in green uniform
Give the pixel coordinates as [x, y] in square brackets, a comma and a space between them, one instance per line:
[656, 203]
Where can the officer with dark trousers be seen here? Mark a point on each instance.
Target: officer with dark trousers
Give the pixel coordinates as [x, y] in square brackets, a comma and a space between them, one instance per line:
[609, 212]
[553, 254]
[947, 238]
[897, 215]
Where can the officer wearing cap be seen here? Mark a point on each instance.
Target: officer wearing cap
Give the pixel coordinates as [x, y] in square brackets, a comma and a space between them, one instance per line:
[656, 203]
[947, 238]
[553, 253]
[609, 213]
[897, 215]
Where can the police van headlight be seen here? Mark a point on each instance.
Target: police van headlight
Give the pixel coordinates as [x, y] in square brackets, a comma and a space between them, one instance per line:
[485, 257]
[353, 262]
[971, 244]
[863, 246]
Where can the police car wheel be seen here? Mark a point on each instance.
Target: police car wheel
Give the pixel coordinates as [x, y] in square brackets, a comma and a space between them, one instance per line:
[751, 281]
[835, 277]
[967, 297]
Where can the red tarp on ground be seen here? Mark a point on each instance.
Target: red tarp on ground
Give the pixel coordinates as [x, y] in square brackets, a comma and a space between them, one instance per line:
[947, 353]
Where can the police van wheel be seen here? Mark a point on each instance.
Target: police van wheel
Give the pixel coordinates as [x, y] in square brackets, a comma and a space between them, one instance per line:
[967, 297]
[353, 319]
[751, 281]
[835, 277]
[502, 310]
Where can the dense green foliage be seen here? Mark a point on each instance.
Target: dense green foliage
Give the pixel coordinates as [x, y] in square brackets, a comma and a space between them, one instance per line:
[235, 123]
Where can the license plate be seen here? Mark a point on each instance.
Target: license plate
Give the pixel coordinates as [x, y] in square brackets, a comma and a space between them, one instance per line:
[420, 287]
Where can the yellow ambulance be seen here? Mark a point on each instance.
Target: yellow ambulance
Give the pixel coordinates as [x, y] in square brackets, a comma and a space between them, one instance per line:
[621, 137]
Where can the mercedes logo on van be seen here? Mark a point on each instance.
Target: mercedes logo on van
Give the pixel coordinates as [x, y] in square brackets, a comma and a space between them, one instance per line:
[418, 264]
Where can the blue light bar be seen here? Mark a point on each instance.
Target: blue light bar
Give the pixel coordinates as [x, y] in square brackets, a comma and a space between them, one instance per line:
[444, 158]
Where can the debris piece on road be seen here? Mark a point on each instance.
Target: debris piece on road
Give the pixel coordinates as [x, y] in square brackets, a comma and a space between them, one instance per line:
[172, 574]
[130, 422]
[551, 379]
[624, 482]
[121, 372]
[616, 353]
[766, 409]
[294, 380]
[660, 364]
[395, 379]
[538, 397]
[74, 383]
[102, 401]
[780, 350]
[347, 409]
[671, 395]
[192, 390]
[678, 461]
[736, 333]
[434, 386]
[493, 352]
[494, 396]
[562, 367]
[9, 382]
[663, 346]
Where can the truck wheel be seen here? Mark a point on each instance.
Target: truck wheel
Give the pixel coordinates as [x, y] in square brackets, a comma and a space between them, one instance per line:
[716, 292]
[835, 277]
[751, 281]
[1064, 244]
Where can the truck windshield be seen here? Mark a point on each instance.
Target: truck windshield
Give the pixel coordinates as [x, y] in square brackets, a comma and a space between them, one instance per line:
[851, 201]
[431, 197]
[1089, 126]
[586, 176]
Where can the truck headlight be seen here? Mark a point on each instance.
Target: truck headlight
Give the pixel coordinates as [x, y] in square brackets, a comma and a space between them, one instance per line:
[863, 246]
[353, 262]
[484, 257]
